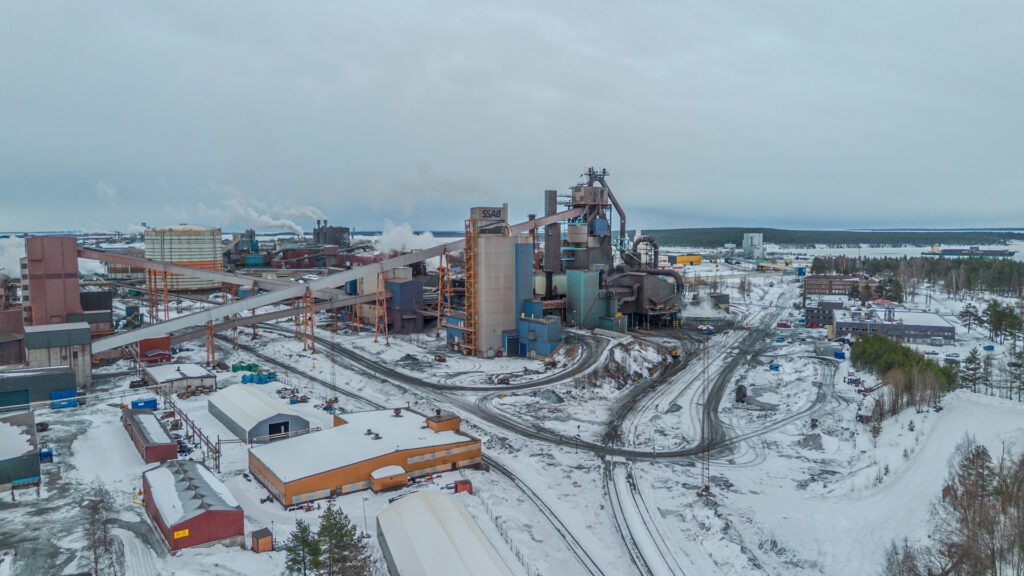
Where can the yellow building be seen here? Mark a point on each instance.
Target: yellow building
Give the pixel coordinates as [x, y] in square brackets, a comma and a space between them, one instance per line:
[685, 260]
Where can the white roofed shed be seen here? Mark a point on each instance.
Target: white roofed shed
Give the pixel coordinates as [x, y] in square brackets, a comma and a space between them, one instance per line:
[178, 377]
[432, 534]
[251, 414]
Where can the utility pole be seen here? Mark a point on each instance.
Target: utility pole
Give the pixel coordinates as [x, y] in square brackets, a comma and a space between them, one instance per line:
[705, 453]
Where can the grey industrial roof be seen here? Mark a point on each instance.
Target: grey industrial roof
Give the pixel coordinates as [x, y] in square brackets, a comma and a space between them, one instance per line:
[184, 489]
[51, 335]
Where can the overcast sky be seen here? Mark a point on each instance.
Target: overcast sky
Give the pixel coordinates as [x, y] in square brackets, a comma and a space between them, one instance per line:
[813, 115]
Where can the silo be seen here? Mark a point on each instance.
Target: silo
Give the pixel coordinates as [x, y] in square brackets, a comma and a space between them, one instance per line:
[496, 291]
[194, 246]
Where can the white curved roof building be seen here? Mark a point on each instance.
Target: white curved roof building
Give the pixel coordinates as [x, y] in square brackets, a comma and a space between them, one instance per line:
[432, 534]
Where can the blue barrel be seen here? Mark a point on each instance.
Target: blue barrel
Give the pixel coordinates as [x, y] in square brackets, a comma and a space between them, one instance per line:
[45, 454]
[773, 367]
[263, 379]
[272, 377]
[246, 378]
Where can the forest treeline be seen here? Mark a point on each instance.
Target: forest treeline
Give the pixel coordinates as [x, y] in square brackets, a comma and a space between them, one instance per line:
[717, 237]
[957, 277]
[912, 379]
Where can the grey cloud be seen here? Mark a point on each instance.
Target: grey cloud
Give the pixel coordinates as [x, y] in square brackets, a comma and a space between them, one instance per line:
[706, 113]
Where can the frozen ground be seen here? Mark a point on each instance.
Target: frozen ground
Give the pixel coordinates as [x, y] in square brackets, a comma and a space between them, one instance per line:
[787, 497]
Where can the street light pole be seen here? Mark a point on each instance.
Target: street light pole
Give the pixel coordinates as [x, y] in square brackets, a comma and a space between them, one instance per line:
[365, 527]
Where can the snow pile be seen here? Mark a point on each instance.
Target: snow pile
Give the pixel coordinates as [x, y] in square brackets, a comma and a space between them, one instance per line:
[13, 442]
[634, 360]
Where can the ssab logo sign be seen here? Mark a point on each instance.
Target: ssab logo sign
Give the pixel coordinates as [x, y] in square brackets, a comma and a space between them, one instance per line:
[492, 212]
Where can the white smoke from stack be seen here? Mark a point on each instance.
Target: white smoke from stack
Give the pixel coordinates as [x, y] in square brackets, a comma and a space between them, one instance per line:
[401, 238]
[11, 250]
[252, 213]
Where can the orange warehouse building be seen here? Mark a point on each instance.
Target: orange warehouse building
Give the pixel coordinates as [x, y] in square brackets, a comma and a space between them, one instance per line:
[363, 450]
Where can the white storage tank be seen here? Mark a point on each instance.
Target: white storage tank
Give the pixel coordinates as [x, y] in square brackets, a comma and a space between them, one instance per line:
[195, 246]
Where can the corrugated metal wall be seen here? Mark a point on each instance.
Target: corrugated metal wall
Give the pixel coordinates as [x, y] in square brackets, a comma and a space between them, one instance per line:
[52, 278]
[193, 246]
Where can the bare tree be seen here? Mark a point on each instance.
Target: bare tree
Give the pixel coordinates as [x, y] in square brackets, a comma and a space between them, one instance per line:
[99, 518]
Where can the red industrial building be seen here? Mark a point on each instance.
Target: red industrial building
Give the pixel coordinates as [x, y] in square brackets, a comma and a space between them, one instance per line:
[152, 441]
[835, 284]
[191, 507]
[12, 336]
[49, 280]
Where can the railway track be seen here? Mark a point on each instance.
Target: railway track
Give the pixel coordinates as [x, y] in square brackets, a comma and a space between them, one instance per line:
[582, 556]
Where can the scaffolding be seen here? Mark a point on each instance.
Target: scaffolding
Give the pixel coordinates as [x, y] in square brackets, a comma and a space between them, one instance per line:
[211, 355]
[470, 325]
[308, 321]
[380, 312]
[444, 291]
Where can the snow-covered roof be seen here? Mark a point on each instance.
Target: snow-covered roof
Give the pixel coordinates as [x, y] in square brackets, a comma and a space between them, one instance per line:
[248, 406]
[346, 444]
[387, 471]
[16, 438]
[57, 327]
[906, 317]
[172, 372]
[432, 534]
[184, 489]
[148, 424]
[917, 318]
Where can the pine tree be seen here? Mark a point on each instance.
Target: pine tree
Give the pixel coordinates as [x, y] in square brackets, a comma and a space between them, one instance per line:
[970, 370]
[866, 293]
[302, 551]
[969, 316]
[344, 551]
[854, 292]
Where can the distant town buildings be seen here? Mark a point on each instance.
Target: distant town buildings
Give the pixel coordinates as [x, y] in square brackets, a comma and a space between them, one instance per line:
[753, 245]
[835, 284]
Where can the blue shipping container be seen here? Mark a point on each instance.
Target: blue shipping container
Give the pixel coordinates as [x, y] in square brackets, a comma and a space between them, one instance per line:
[147, 403]
[773, 367]
[988, 348]
[65, 399]
[840, 355]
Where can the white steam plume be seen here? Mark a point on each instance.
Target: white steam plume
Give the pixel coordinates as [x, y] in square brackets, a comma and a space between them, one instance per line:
[254, 214]
[11, 250]
[402, 238]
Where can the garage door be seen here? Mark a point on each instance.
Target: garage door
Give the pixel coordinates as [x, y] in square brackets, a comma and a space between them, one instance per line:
[14, 398]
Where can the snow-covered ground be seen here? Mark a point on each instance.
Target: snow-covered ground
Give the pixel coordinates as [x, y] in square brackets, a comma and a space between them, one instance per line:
[788, 495]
